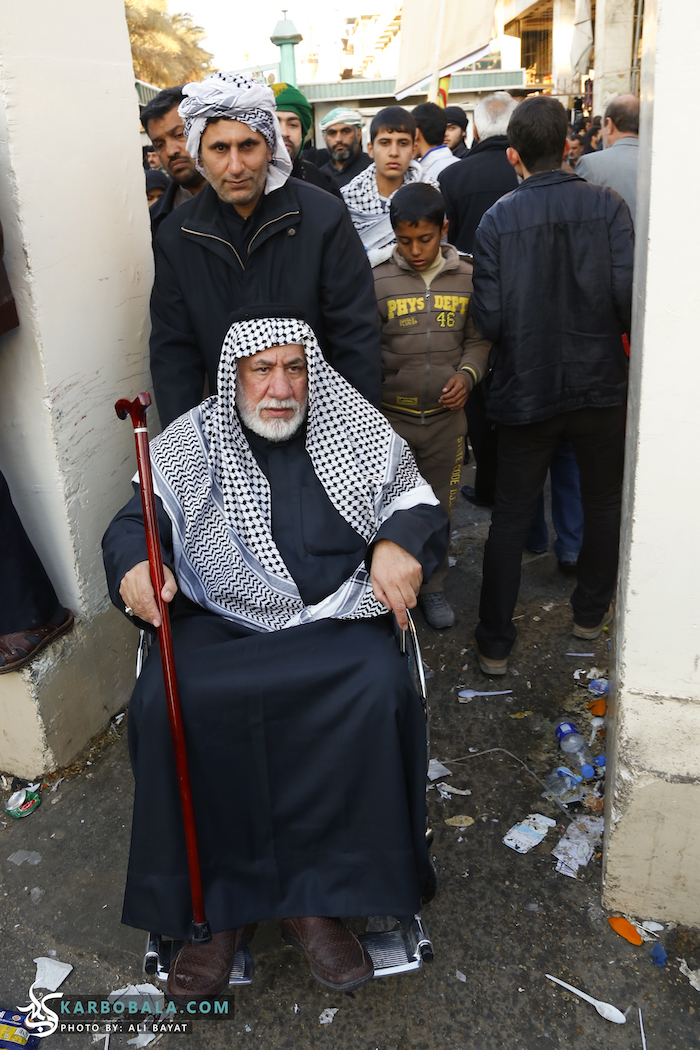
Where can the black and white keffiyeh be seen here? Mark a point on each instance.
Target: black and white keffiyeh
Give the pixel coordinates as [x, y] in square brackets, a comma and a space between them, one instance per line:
[235, 96]
[219, 502]
[370, 212]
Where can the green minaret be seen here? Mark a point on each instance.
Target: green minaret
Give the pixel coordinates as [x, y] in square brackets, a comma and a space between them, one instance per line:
[286, 37]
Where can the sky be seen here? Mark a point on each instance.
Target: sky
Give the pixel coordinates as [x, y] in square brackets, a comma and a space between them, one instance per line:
[238, 34]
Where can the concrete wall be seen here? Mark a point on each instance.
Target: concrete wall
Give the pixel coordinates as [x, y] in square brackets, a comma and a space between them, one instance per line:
[77, 251]
[652, 858]
[614, 25]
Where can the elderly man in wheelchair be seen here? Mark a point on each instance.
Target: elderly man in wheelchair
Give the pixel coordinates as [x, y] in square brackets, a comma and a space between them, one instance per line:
[294, 523]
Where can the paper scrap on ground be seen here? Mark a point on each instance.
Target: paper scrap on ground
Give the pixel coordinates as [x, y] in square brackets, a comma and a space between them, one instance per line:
[524, 836]
[444, 791]
[454, 790]
[436, 769]
[327, 1016]
[575, 848]
[692, 975]
[580, 654]
[469, 694]
[50, 973]
[143, 1039]
[461, 976]
[652, 927]
[460, 821]
[31, 856]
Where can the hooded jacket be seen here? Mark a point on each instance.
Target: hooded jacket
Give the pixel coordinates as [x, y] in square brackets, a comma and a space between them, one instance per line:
[302, 251]
[428, 334]
[553, 290]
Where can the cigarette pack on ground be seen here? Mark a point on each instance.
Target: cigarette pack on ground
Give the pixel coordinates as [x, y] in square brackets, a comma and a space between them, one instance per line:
[522, 837]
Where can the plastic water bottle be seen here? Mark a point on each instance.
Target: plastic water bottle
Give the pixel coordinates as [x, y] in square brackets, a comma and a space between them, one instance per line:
[572, 744]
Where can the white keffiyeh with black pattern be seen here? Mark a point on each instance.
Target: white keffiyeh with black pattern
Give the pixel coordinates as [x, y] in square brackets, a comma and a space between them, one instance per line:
[235, 96]
[369, 211]
[219, 502]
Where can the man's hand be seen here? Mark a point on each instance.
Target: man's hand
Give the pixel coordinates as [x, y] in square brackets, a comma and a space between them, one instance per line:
[396, 578]
[456, 391]
[137, 592]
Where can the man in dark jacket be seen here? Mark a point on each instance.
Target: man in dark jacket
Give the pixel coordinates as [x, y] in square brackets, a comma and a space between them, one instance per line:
[553, 291]
[342, 132]
[456, 131]
[471, 188]
[294, 115]
[253, 236]
[163, 124]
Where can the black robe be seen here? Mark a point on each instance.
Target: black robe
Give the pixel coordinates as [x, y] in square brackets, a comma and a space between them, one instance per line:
[306, 745]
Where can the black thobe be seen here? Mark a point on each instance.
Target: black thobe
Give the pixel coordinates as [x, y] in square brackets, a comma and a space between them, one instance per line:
[306, 746]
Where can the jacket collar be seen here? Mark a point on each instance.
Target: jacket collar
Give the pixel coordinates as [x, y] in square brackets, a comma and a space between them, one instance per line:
[547, 178]
[449, 252]
[499, 142]
[280, 210]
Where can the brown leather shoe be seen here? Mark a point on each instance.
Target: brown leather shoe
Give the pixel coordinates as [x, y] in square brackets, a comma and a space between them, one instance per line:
[337, 958]
[19, 648]
[201, 971]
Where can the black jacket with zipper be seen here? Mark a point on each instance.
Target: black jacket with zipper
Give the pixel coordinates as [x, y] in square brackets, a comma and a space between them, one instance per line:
[304, 251]
[553, 291]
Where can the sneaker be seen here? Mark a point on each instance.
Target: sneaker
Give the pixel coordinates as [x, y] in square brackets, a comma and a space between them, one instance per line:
[589, 633]
[437, 610]
[489, 666]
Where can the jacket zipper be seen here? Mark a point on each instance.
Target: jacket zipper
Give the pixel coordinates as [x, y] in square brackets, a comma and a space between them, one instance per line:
[427, 356]
[211, 237]
[269, 223]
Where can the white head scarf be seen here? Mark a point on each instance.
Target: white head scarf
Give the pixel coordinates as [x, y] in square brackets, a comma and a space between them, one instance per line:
[219, 500]
[235, 96]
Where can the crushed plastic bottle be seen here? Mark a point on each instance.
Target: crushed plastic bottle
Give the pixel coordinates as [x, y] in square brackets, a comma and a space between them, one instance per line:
[572, 744]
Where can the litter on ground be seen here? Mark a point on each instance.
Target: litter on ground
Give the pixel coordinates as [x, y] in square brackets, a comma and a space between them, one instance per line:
[50, 973]
[692, 975]
[436, 770]
[575, 848]
[31, 857]
[524, 836]
[460, 821]
[625, 929]
[327, 1016]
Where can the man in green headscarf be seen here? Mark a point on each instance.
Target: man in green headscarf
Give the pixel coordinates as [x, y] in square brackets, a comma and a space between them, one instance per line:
[295, 117]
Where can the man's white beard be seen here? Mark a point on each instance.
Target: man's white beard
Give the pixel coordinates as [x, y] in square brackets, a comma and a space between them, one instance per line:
[272, 429]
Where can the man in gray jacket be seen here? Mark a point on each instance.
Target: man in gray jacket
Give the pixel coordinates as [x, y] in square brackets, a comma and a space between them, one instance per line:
[616, 165]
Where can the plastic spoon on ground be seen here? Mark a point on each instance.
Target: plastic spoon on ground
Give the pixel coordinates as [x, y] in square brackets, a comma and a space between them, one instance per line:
[469, 694]
[606, 1010]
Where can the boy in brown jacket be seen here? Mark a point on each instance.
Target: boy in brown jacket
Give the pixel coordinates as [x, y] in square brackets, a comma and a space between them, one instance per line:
[432, 355]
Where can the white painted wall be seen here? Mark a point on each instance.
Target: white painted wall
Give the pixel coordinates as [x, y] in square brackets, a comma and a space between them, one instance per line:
[652, 843]
[78, 255]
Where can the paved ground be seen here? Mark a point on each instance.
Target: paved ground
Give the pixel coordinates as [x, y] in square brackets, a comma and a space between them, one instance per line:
[500, 918]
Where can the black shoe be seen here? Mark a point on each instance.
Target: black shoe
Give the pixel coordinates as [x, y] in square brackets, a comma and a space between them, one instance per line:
[469, 493]
[567, 566]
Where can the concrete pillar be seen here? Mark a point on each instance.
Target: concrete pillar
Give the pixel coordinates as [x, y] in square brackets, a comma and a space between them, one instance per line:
[652, 846]
[614, 24]
[77, 251]
[564, 84]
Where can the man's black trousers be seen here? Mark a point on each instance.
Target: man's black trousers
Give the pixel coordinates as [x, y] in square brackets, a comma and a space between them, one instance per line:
[524, 455]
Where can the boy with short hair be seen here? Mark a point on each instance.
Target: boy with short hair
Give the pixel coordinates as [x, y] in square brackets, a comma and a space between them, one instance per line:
[432, 354]
[368, 197]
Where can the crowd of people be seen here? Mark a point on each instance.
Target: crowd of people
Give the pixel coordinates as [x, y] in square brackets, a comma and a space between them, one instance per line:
[328, 326]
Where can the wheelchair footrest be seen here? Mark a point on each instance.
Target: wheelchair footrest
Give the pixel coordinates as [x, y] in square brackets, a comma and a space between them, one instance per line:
[398, 951]
[160, 952]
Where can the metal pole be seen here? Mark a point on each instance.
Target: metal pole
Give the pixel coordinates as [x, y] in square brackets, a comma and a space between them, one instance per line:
[634, 80]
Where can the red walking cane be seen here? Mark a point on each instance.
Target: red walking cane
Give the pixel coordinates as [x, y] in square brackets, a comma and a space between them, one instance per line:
[201, 934]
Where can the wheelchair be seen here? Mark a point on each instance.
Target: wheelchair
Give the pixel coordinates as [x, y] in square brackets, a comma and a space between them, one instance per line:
[398, 950]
